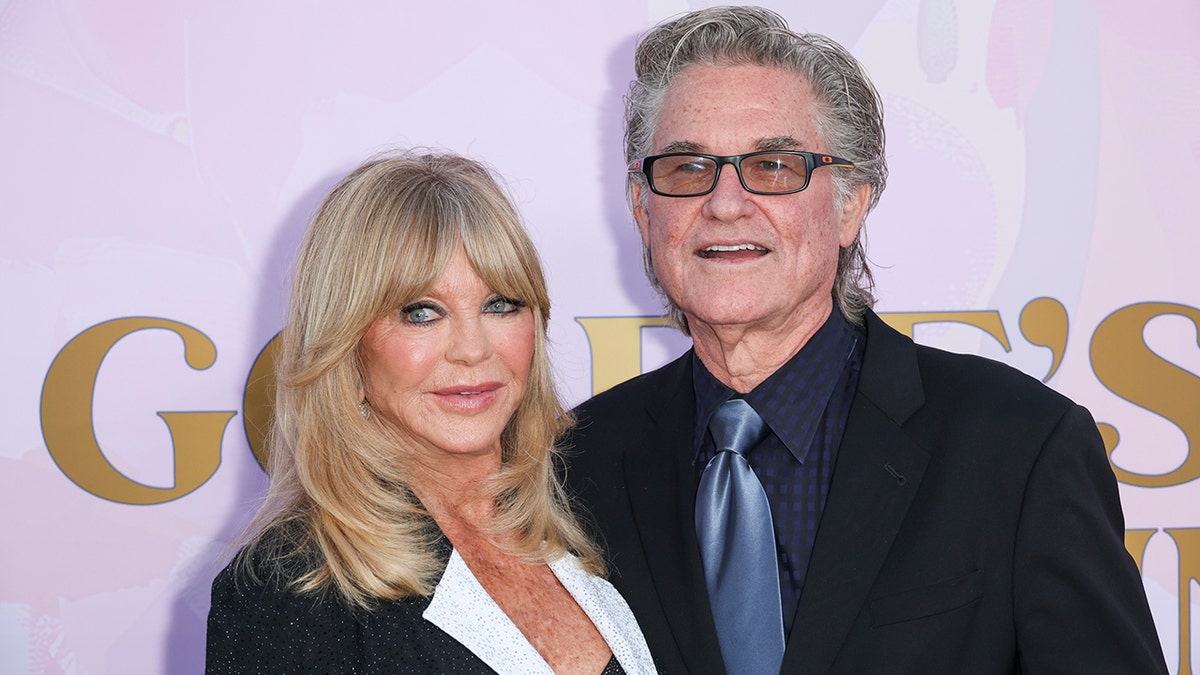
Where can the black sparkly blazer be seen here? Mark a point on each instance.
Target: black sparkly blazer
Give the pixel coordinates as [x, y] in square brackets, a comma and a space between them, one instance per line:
[258, 625]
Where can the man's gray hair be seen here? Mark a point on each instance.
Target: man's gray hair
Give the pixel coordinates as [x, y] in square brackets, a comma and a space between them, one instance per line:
[849, 112]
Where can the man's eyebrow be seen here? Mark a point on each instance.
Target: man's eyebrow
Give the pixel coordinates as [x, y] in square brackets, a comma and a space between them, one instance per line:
[682, 146]
[771, 143]
[777, 143]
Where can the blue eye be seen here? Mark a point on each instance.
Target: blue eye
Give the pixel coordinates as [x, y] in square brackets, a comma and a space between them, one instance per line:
[501, 305]
[421, 313]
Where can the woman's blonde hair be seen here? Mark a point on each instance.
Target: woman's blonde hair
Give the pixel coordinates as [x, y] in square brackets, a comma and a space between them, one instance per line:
[340, 503]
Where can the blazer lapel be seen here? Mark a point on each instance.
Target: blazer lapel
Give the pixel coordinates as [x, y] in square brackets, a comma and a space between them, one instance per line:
[878, 471]
[662, 490]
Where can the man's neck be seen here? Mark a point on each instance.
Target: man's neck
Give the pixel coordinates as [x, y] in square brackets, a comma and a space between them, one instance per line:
[742, 356]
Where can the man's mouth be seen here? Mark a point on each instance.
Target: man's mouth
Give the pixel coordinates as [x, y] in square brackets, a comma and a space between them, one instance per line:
[732, 250]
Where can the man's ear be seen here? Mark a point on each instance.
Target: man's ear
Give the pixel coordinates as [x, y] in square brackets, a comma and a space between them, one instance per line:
[854, 211]
[639, 211]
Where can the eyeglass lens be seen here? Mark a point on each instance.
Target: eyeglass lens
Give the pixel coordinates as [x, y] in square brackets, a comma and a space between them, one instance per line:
[766, 172]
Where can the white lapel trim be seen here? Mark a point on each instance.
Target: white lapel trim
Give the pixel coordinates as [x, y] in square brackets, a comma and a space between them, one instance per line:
[609, 613]
[464, 610]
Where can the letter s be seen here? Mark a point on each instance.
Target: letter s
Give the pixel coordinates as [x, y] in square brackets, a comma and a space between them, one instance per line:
[1130, 369]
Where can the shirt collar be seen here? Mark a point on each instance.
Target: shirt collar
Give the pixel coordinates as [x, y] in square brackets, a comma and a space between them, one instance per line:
[791, 400]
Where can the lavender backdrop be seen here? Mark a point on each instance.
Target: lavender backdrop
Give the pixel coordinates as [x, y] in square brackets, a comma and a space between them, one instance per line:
[161, 159]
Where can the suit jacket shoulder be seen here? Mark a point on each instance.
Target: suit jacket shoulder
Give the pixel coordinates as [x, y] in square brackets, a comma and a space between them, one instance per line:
[259, 623]
[618, 421]
[983, 524]
[902, 376]
[632, 396]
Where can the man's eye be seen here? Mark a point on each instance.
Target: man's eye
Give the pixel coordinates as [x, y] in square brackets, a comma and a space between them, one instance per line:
[693, 167]
[502, 305]
[420, 312]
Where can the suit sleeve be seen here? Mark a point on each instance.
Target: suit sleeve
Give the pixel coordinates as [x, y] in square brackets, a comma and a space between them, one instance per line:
[261, 627]
[1078, 596]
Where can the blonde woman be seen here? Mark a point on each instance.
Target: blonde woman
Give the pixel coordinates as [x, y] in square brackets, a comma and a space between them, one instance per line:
[414, 521]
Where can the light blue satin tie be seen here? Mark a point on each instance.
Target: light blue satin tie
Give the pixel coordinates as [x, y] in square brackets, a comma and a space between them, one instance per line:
[737, 545]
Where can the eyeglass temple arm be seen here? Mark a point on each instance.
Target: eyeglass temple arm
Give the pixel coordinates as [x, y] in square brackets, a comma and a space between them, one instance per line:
[829, 160]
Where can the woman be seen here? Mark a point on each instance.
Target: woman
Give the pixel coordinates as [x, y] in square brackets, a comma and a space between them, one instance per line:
[414, 521]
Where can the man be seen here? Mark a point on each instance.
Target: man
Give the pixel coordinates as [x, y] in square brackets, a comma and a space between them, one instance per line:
[924, 512]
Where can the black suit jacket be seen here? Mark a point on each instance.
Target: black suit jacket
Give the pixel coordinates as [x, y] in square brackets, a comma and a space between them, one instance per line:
[972, 526]
[258, 624]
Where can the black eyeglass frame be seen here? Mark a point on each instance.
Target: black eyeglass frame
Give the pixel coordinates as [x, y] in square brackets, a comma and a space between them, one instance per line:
[812, 161]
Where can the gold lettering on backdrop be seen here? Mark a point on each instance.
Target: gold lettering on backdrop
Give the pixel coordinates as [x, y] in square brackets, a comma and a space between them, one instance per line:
[1119, 355]
[988, 321]
[1188, 541]
[66, 416]
[1044, 323]
[1135, 543]
[259, 400]
[616, 342]
[1130, 369]
[616, 347]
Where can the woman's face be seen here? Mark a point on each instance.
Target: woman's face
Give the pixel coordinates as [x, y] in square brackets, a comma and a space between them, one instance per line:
[449, 370]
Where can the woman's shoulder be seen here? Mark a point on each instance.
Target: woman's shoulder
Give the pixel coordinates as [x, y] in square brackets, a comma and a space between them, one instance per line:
[264, 578]
[260, 622]
[273, 560]
[259, 616]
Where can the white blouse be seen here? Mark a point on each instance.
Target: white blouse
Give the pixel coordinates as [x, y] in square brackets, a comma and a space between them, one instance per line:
[464, 610]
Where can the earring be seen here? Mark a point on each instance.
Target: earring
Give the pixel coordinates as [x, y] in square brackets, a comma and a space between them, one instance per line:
[364, 409]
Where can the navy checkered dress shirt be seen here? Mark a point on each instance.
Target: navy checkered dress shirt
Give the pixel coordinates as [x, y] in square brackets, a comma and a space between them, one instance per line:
[805, 403]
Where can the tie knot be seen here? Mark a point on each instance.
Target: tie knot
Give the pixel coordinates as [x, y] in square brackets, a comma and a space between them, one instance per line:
[736, 426]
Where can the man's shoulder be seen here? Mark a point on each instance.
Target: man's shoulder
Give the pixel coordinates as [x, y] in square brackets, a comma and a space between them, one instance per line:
[621, 417]
[969, 377]
[953, 378]
[634, 394]
[980, 401]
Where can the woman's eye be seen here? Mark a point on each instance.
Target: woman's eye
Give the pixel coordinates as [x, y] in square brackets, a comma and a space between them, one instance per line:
[420, 312]
[501, 305]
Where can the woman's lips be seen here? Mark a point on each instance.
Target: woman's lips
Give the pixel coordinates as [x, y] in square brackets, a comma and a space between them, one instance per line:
[469, 397]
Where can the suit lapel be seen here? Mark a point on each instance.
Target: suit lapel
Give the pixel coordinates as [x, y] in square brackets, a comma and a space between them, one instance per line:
[662, 490]
[878, 472]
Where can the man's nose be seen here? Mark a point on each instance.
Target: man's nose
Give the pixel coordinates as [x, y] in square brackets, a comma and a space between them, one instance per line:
[729, 200]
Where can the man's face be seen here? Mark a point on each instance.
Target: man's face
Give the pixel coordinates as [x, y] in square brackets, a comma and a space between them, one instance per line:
[732, 258]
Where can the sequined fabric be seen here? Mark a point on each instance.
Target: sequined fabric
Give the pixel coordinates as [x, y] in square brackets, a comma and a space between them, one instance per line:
[265, 628]
[260, 626]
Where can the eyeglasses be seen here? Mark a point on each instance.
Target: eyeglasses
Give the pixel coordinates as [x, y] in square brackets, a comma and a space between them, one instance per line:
[769, 172]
